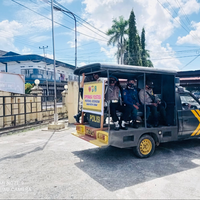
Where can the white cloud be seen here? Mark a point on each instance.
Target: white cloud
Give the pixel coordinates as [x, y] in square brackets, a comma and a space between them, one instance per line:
[157, 22]
[82, 64]
[189, 7]
[164, 57]
[193, 37]
[37, 38]
[26, 50]
[8, 30]
[109, 53]
[26, 23]
[48, 55]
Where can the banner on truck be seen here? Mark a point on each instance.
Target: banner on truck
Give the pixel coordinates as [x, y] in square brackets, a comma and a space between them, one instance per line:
[93, 97]
[12, 83]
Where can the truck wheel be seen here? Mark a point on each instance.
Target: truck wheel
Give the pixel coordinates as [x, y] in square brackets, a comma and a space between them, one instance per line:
[145, 147]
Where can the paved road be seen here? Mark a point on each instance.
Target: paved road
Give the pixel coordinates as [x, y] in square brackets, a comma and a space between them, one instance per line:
[46, 165]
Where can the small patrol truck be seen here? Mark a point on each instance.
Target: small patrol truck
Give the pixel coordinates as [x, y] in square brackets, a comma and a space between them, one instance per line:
[182, 110]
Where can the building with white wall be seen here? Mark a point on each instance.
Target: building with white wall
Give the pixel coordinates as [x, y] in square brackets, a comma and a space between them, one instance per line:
[37, 67]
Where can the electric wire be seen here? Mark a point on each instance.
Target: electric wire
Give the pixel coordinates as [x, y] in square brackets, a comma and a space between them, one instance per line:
[176, 20]
[81, 18]
[57, 22]
[190, 61]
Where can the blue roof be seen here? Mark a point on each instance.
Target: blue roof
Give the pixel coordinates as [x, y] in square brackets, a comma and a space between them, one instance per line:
[13, 57]
[10, 53]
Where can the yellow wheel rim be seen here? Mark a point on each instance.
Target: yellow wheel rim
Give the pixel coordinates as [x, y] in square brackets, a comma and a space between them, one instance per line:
[145, 146]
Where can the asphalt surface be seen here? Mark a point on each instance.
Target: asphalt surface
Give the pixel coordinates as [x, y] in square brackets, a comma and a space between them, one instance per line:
[41, 164]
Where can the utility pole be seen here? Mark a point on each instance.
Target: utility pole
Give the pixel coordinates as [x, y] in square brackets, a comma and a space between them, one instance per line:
[54, 66]
[43, 47]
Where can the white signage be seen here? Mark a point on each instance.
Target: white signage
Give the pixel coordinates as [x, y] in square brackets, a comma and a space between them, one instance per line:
[12, 83]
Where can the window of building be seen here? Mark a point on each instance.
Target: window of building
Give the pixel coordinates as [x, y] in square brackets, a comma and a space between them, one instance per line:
[23, 71]
[41, 71]
[22, 66]
[30, 66]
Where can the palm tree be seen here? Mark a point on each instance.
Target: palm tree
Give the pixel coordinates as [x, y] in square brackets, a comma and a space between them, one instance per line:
[117, 33]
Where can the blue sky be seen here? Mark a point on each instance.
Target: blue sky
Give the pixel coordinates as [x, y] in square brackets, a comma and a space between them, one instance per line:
[172, 29]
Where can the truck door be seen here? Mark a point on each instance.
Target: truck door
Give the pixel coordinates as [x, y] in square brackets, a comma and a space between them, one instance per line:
[189, 116]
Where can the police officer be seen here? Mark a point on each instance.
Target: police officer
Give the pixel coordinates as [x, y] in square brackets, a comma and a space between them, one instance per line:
[153, 104]
[131, 101]
[112, 95]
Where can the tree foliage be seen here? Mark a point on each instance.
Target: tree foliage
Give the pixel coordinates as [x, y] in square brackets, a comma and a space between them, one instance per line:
[118, 31]
[131, 50]
[146, 62]
[134, 42]
[28, 87]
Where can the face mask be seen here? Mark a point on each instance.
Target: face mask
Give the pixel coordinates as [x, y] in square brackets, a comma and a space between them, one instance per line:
[111, 81]
[130, 86]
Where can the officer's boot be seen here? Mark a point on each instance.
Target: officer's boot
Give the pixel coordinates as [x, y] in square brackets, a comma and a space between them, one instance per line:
[134, 124]
[116, 126]
[123, 125]
[77, 117]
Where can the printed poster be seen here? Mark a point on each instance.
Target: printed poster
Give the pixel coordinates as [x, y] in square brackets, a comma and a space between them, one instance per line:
[93, 97]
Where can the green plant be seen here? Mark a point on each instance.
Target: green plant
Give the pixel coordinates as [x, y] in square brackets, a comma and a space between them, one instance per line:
[28, 87]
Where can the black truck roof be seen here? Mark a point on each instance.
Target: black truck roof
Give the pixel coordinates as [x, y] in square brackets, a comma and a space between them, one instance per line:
[120, 68]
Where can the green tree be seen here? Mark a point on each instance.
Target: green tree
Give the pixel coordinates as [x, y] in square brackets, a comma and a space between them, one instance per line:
[117, 33]
[134, 42]
[149, 63]
[145, 53]
[28, 87]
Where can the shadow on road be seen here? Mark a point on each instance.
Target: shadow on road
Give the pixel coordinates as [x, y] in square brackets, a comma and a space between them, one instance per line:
[20, 155]
[117, 168]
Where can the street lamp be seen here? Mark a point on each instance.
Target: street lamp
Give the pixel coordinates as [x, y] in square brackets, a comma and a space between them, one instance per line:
[66, 87]
[37, 82]
[59, 9]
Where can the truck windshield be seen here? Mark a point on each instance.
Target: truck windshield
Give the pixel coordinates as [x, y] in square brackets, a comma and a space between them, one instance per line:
[188, 102]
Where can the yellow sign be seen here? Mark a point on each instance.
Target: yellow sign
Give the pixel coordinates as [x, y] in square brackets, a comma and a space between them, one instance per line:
[93, 97]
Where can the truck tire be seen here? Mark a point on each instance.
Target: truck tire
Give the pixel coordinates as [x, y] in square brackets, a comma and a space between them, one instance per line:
[145, 147]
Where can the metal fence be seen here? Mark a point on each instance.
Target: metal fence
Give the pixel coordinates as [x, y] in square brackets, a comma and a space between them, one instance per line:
[20, 110]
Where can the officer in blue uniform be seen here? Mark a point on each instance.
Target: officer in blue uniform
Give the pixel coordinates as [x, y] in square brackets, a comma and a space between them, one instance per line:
[131, 101]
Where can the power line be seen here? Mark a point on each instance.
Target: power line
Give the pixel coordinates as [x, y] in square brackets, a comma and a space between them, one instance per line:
[176, 19]
[191, 61]
[19, 41]
[61, 6]
[80, 23]
[186, 17]
[81, 19]
[56, 22]
[176, 13]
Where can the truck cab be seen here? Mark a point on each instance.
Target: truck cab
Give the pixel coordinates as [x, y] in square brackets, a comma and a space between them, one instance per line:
[182, 110]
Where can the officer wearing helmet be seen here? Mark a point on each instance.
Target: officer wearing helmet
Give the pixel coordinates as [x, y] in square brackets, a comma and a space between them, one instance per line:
[131, 101]
[153, 104]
